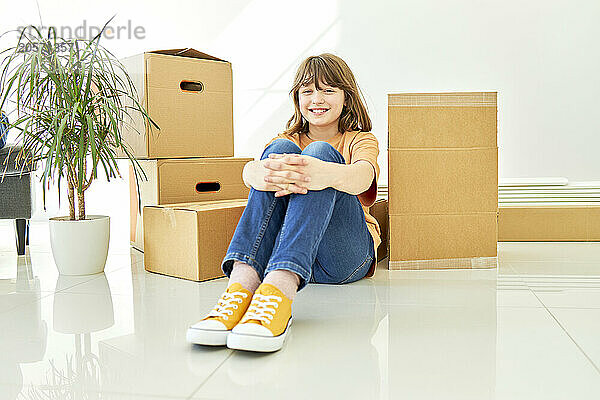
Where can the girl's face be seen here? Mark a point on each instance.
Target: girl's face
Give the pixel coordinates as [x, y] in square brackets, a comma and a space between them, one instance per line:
[323, 107]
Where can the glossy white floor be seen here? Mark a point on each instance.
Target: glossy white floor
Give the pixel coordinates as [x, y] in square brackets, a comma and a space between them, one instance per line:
[529, 329]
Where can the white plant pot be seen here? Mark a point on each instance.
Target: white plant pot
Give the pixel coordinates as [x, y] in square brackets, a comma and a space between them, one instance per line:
[80, 247]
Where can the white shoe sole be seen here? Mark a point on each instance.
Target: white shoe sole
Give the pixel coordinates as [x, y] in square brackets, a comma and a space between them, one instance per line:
[257, 343]
[207, 337]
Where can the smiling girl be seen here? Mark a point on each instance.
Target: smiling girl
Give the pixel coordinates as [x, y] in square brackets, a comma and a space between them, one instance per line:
[307, 219]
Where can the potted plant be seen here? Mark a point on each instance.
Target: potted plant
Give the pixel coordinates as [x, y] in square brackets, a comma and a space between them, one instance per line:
[70, 97]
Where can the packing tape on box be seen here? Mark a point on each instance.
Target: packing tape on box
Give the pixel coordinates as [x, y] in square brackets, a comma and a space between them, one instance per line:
[445, 263]
[170, 213]
[466, 99]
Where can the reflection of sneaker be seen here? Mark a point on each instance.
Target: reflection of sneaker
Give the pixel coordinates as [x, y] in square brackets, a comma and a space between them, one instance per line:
[266, 322]
[213, 329]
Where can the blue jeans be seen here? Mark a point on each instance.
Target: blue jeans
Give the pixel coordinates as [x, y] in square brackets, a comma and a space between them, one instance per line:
[322, 235]
[3, 129]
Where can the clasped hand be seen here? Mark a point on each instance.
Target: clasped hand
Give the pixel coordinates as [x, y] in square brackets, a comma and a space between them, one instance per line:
[295, 173]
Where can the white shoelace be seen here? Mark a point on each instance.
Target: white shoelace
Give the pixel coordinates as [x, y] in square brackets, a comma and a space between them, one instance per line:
[261, 308]
[225, 304]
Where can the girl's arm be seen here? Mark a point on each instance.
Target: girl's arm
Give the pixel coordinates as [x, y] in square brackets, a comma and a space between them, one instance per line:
[353, 178]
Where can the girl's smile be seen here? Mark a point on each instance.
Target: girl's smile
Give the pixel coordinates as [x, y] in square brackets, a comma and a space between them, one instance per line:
[318, 111]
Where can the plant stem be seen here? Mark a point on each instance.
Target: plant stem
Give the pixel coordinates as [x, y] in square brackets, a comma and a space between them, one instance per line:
[81, 194]
[81, 205]
[71, 193]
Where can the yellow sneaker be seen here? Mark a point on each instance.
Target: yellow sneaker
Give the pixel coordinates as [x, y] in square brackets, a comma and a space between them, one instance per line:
[213, 329]
[265, 324]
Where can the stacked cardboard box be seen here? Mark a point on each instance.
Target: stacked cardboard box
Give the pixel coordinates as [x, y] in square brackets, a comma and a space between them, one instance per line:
[443, 180]
[379, 210]
[189, 160]
[189, 95]
[172, 181]
[190, 240]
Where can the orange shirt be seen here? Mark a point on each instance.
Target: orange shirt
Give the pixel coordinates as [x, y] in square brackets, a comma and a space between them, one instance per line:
[353, 146]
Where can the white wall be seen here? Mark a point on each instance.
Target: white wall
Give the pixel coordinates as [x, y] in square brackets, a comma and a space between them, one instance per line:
[542, 57]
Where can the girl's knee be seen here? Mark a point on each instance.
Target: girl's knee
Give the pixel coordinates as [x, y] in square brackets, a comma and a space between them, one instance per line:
[323, 151]
[280, 146]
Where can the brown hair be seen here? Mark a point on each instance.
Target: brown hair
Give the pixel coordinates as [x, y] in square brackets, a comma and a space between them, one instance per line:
[333, 71]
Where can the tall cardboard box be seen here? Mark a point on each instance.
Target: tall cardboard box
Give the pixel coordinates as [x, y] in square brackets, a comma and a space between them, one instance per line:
[190, 240]
[183, 181]
[189, 94]
[443, 180]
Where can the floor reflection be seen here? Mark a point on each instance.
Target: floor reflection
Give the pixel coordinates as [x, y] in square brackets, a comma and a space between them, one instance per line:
[156, 359]
[24, 339]
[79, 372]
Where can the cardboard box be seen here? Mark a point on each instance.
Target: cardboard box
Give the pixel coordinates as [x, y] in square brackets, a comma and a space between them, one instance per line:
[379, 210]
[190, 240]
[549, 223]
[442, 120]
[189, 94]
[442, 236]
[184, 181]
[443, 181]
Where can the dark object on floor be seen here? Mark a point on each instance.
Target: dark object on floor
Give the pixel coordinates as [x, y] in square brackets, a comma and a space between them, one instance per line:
[15, 193]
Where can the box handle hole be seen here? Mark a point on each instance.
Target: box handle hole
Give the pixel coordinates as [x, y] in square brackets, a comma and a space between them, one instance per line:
[191, 86]
[208, 187]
